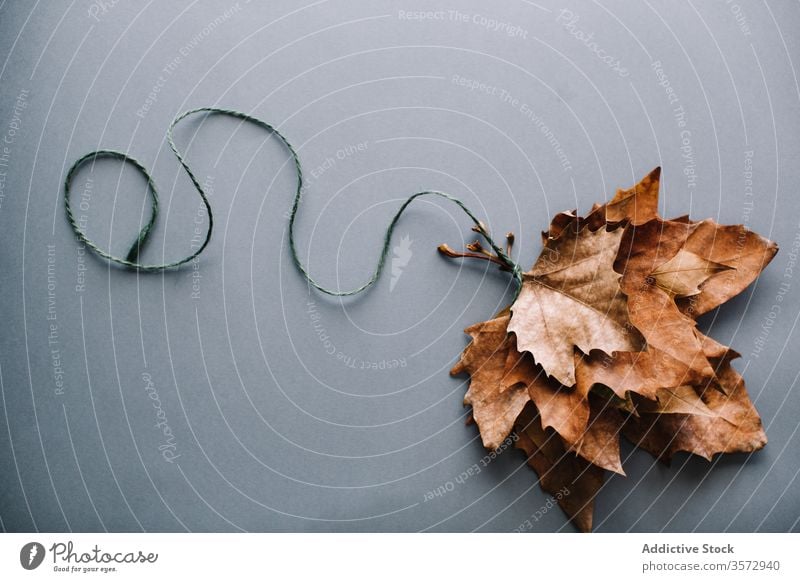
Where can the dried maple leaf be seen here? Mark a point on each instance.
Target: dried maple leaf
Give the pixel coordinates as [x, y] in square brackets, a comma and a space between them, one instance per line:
[643, 373]
[600, 441]
[652, 310]
[502, 381]
[495, 406]
[602, 341]
[683, 274]
[743, 251]
[564, 409]
[734, 427]
[571, 298]
[678, 400]
[559, 470]
[638, 204]
[561, 408]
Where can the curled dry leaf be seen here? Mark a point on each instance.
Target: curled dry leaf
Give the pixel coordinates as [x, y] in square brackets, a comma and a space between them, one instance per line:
[602, 341]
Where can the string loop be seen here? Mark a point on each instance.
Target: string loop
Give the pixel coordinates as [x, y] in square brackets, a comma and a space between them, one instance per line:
[131, 260]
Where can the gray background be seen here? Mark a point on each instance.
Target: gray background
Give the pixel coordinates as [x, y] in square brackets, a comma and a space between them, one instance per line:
[274, 433]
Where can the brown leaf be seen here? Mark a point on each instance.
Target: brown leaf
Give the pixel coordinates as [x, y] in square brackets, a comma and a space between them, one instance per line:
[735, 428]
[624, 405]
[604, 340]
[559, 470]
[652, 310]
[638, 204]
[570, 219]
[647, 246]
[643, 373]
[495, 406]
[683, 274]
[678, 400]
[572, 298]
[564, 409]
[600, 442]
[558, 224]
[745, 252]
[520, 367]
[714, 350]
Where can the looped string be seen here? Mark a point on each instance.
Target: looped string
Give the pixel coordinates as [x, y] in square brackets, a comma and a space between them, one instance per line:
[131, 260]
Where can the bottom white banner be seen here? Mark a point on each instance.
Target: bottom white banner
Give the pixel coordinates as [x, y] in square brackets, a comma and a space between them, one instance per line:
[355, 557]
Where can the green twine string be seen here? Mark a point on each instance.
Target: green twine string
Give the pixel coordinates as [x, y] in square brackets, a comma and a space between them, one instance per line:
[131, 260]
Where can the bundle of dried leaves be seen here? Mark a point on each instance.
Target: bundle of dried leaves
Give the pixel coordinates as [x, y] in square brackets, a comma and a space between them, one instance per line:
[602, 341]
